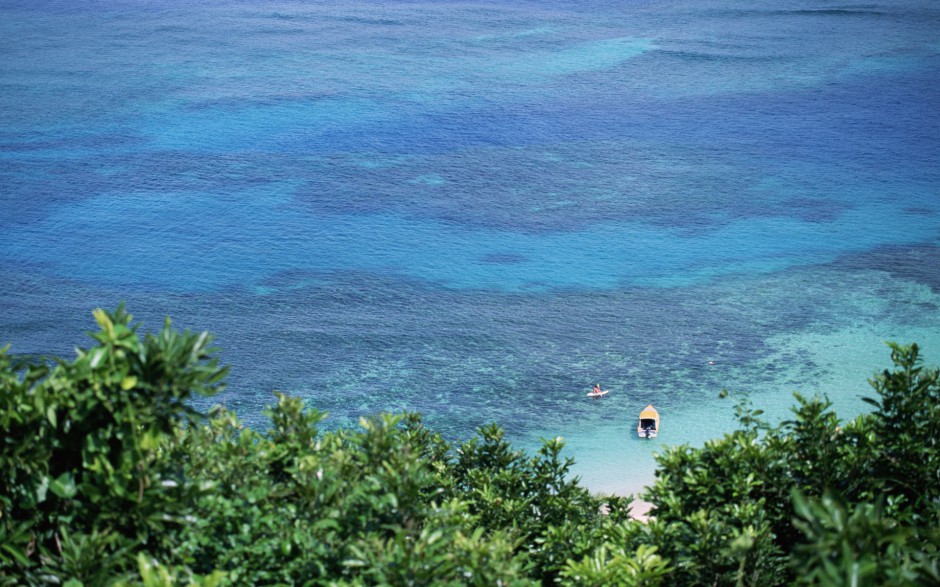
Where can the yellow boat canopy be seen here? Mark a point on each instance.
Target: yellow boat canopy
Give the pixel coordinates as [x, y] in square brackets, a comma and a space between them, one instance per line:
[649, 412]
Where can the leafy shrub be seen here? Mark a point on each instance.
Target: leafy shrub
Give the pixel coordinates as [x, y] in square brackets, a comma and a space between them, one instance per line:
[108, 477]
[726, 513]
[79, 471]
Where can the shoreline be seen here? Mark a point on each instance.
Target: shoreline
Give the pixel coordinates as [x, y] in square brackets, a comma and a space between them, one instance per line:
[641, 510]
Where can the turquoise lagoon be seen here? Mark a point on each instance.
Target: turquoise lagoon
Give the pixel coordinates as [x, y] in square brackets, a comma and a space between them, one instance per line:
[479, 210]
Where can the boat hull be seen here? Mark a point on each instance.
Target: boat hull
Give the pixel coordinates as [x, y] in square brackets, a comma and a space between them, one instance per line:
[648, 426]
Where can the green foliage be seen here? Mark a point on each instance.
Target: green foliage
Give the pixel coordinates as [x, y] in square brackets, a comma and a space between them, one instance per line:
[93, 559]
[717, 510]
[866, 493]
[154, 574]
[530, 496]
[105, 469]
[79, 476]
[860, 545]
[607, 567]
[356, 508]
[906, 462]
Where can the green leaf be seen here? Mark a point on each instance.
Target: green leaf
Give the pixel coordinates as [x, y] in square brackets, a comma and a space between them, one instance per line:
[96, 356]
[16, 553]
[42, 490]
[64, 486]
[103, 320]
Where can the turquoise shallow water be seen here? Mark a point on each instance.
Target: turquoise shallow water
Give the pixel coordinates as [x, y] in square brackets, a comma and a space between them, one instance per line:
[479, 210]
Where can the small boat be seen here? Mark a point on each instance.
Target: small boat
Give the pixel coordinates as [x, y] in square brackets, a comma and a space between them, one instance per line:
[600, 393]
[649, 422]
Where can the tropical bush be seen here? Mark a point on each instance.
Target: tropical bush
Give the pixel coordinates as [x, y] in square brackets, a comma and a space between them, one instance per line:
[812, 500]
[82, 485]
[109, 477]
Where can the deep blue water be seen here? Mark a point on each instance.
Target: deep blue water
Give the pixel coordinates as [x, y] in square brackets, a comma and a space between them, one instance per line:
[479, 209]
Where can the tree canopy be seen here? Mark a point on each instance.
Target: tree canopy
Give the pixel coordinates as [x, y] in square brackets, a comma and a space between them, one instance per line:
[109, 477]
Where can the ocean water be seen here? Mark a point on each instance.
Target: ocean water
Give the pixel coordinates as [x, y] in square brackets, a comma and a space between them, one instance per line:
[478, 210]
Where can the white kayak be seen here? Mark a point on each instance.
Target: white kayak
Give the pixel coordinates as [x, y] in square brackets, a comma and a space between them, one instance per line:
[601, 393]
